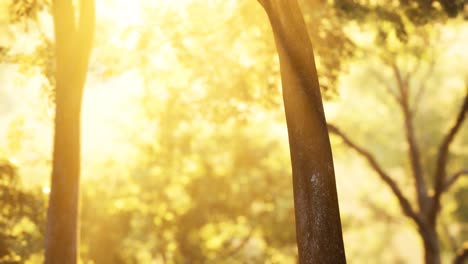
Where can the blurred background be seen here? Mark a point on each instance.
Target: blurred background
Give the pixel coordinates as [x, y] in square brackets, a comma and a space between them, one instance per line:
[185, 153]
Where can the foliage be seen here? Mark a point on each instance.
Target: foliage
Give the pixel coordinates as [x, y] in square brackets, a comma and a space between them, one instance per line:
[22, 217]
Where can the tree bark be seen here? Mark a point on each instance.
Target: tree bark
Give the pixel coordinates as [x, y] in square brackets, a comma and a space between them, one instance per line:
[73, 46]
[431, 254]
[431, 245]
[318, 225]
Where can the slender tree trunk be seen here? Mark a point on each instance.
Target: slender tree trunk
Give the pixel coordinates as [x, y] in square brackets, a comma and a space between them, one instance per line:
[62, 219]
[318, 225]
[73, 45]
[431, 246]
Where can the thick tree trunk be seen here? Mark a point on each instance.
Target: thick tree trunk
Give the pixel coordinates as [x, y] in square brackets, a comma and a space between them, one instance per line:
[73, 45]
[318, 225]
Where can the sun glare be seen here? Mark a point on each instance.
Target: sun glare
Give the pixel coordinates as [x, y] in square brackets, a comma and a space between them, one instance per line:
[120, 12]
[46, 190]
[107, 111]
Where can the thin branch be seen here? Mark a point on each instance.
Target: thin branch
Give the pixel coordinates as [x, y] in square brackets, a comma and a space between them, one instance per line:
[452, 179]
[404, 203]
[442, 156]
[401, 82]
[386, 85]
[462, 255]
[413, 150]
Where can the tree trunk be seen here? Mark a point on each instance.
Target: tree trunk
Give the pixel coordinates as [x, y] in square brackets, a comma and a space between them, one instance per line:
[318, 225]
[73, 45]
[62, 219]
[431, 246]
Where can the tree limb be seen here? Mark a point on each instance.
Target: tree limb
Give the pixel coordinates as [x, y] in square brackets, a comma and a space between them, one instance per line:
[401, 81]
[442, 156]
[386, 85]
[413, 148]
[452, 179]
[404, 203]
[85, 35]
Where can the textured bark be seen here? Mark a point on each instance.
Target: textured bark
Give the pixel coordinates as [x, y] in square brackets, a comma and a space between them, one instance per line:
[318, 225]
[73, 45]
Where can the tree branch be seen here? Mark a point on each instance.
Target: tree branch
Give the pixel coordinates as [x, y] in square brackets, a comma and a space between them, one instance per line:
[452, 179]
[386, 85]
[442, 156]
[404, 203]
[401, 82]
[413, 148]
[85, 35]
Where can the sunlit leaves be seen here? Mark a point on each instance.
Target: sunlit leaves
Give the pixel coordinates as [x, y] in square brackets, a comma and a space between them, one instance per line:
[21, 10]
[21, 217]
